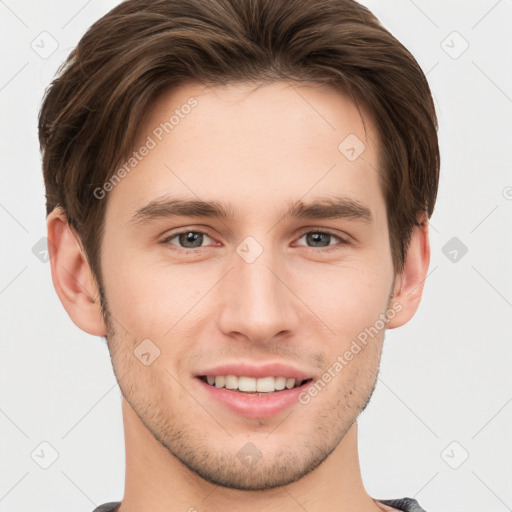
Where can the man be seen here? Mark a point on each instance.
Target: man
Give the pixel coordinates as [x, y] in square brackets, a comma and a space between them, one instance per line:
[238, 195]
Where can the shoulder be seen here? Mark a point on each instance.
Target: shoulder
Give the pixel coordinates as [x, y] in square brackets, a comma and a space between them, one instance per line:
[404, 504]
[108, 507]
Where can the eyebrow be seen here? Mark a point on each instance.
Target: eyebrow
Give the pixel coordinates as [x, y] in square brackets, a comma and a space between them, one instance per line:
[320, 209]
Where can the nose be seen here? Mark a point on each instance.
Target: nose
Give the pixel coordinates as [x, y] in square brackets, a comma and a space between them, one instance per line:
[258, 301]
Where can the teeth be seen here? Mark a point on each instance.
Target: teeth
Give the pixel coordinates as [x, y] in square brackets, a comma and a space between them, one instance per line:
[246, 384]
[251, 384]
[231, 382]
[280, 383]
[266, 385]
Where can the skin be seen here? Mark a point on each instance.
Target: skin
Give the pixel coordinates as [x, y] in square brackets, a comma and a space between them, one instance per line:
[256, 149]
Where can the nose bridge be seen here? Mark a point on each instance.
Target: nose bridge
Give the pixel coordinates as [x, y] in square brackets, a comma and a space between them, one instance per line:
[256, 302]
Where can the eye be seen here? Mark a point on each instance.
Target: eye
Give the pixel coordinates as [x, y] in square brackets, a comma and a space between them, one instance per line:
[188, 239]
[192, 239]
[322, 239]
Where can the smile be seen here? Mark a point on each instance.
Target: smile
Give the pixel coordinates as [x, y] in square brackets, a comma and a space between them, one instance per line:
[252, 397]
[253, 385]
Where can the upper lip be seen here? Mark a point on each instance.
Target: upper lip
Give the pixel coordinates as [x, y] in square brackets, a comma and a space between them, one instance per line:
[256, 371]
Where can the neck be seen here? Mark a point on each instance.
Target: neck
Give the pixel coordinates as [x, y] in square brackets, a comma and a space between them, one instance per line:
[158, 481]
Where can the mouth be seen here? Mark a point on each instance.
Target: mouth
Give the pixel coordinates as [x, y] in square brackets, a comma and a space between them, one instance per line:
[253, 390]
[262, 386]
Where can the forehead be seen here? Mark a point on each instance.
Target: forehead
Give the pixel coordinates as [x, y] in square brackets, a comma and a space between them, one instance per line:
[258, 109]
[253, 142]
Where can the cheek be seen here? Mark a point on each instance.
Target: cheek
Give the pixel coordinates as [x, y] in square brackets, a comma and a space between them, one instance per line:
[348, 298]
[148, 297]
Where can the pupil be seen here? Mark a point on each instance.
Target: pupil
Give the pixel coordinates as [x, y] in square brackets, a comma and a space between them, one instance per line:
[194, 238]
[316, 237]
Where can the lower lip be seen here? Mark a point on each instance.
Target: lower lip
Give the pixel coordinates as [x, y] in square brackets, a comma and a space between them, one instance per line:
[253, 405]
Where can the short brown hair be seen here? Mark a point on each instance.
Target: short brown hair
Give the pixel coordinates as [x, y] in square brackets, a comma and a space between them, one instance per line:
[90, 114]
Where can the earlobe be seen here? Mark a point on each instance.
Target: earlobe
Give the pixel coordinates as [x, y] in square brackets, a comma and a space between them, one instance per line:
[72, 276]
[409, 285]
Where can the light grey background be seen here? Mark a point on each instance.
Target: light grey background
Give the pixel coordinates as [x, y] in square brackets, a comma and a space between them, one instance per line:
[445, 389]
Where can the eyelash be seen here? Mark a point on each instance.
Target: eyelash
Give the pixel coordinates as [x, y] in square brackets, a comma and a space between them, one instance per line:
[329, 248]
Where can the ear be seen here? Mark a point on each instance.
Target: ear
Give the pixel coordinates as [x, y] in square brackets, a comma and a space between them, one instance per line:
[72, 277]
[408, 287]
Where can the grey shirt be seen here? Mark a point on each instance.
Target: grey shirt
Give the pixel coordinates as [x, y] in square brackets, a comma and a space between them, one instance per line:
[405, 504]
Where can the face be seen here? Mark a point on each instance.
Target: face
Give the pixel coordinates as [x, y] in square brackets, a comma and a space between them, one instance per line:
[279, 275]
